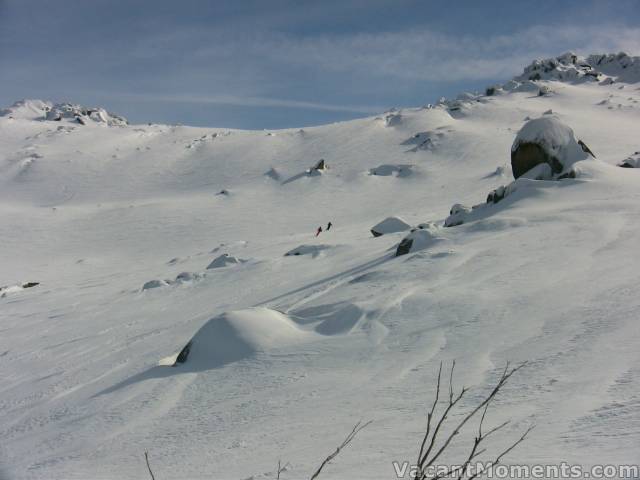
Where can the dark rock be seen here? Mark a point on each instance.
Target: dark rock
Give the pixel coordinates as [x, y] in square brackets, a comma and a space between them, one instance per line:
[496, 195]
[585, 149]
[320, 165]
[404, 246]
[30, 284]
[527, 155]
[570, 174]
[626, 165]
[183, 355]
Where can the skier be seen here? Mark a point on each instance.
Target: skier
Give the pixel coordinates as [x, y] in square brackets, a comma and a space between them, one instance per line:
[319, 231]
[329, 226]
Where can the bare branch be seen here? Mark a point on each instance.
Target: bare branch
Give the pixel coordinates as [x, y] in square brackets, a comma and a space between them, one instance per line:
[356, 429]
[430, 415]
[146, 457]
[505, 452]
[506, 374]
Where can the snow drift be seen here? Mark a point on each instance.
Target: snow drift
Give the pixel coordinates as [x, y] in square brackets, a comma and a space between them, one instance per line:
[240, 334]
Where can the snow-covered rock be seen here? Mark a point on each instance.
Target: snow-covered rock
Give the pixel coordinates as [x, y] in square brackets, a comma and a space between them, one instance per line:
[224, 260]
[83, 115]
[154, 284]
[418, 239]
[546, 140]
[392, 170]
[571, 68]
[389, 225]
[457, 215]
[632, 161]
[313, 250]
[237, 335]
[27, 110]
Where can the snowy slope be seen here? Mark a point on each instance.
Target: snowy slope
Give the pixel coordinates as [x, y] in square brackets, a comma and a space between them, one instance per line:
[94, 212]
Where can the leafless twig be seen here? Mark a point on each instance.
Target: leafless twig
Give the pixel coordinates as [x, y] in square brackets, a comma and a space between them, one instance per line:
[358, 427]
[146, 457]
[427, 459]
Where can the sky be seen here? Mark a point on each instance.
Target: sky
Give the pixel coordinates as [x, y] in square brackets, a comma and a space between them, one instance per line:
[266, 64]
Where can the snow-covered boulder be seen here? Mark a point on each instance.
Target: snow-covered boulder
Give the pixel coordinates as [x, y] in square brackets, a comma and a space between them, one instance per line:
[418, 239]
[546, 140]
[154, 284]
[236, 335]
[392, 170]
[632, 161]
[389, 225]
[457, 215]
[224, 260]
[313, 250]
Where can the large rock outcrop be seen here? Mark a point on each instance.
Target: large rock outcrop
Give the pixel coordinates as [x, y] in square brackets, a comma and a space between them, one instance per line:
[546, 140]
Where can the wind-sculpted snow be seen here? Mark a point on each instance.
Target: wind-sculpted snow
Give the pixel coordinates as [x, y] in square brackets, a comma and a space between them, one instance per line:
[286, 350]
[238, 335]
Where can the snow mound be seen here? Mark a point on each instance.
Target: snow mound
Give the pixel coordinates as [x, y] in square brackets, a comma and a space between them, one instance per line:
[556, 140]
[273, 174]
[632, 161]
[418, 239]
[457, 215]
[27, 110]
[313, 250]
[154, 284]
[428, 140]
[224, 260]
[83, 115]
[389, 225]
[17, 288]
[237, 335]
[392, 170]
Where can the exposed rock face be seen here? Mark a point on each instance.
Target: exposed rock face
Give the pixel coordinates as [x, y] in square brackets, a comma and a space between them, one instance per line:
[528, 155]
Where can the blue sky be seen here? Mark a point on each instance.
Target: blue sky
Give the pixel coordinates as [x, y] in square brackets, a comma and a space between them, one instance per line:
[283, 63]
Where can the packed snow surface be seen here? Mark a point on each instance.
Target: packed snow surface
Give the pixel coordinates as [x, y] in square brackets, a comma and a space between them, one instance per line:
[289, 351]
